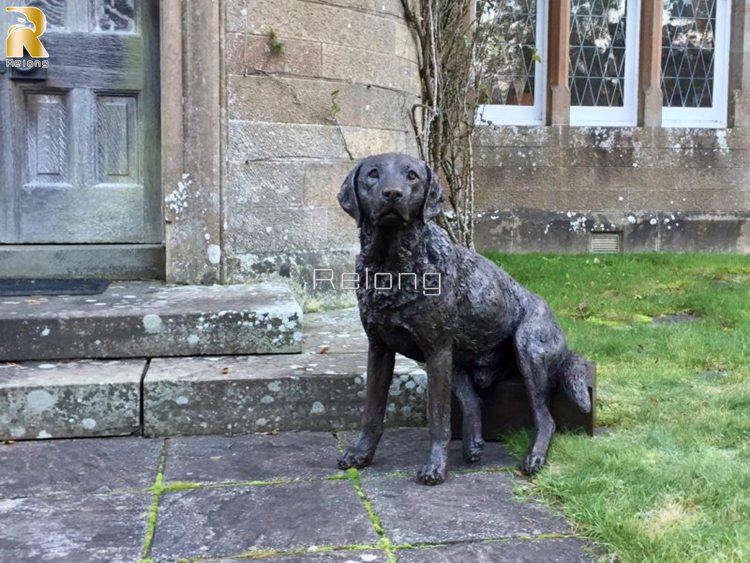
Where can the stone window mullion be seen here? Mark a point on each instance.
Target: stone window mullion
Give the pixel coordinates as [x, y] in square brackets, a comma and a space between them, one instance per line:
[558, 108]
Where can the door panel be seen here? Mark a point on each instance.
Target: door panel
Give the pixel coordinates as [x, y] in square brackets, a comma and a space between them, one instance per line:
[84, 142]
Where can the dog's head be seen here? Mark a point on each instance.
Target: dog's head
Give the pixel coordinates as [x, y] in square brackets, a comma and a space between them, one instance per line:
[391, 189]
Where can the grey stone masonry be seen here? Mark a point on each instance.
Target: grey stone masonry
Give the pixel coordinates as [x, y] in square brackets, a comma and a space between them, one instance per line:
[149, 319]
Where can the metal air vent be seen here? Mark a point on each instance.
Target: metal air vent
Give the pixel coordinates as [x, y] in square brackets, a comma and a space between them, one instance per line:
[605, 243]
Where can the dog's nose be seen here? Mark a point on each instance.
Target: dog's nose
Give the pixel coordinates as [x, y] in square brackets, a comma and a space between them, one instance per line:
[392, 194]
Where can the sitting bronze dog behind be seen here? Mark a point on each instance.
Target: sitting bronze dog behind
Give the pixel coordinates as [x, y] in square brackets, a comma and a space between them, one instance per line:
[464, 333]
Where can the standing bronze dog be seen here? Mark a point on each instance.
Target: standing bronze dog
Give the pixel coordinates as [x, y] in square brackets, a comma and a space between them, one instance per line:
[463, 331]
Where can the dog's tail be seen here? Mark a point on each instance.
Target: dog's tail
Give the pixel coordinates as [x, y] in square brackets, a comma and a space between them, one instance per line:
[573, 378]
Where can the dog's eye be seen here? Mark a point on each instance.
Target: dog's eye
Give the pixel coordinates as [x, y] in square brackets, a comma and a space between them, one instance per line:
[412, 175]
[374, 174]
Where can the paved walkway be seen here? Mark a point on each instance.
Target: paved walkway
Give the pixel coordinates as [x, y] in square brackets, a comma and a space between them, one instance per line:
[265, 497]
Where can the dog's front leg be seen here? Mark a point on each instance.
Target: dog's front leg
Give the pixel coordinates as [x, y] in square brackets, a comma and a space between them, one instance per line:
[439, 370]
[380, 361]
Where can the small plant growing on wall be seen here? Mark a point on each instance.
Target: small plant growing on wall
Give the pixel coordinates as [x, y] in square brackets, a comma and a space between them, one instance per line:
[275, 45]
[335, 107]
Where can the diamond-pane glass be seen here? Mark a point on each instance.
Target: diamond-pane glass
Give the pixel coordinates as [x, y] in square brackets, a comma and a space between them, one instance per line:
[687, 63]
[508, 53]
[597, 52]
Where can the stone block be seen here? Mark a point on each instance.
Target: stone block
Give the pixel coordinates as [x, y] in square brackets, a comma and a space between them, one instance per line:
[295, 267]
[494, 231]
[259, 141]
[365, 66]
[229, 521]
[481, 508]
[509, 188]
[523, 157]
[549, 232]
[323, 181]
[609, 138]
[80, 398]
[237, 395]
[250, 185]
[285, 99]
[361, 142]
[78, 467]
[342, 229]
[275, 229]
[248, 54]
[149, 319]
[699, 138]
[516, 137]
[694, 232]
[312, 21]
[103, 528]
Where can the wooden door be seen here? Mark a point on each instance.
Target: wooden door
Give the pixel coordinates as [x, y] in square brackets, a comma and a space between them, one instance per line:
[80, 148]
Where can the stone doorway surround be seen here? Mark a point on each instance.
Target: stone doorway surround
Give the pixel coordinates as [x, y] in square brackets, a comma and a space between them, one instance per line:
[192, 60]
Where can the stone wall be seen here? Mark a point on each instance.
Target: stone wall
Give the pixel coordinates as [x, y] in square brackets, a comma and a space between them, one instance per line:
[297, 120]
[547, 188]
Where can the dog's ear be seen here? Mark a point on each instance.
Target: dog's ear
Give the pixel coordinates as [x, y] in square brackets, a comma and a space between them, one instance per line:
[433, 200]
[348, 194]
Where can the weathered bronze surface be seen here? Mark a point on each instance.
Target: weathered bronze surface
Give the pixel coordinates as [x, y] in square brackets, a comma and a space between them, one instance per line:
[436, 302]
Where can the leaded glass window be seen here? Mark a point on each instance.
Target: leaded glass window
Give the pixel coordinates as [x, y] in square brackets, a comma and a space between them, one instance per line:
[603, 61]
[694, 62]
[512, 61]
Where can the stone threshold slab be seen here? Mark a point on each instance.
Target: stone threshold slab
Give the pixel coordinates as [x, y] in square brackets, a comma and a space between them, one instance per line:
[147, 319]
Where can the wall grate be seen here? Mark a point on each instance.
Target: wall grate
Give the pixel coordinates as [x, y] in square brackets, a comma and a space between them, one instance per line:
[605, 243]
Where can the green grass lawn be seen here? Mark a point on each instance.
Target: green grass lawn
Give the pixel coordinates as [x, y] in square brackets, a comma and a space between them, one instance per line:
[670, 480]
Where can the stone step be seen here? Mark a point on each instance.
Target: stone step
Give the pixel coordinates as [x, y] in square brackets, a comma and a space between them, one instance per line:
[149, 319]
[323, 388]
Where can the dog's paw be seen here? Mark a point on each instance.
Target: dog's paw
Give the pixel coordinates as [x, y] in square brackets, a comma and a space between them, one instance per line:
[473, 451]
[431, 474]
[356, 458]
[533, 463]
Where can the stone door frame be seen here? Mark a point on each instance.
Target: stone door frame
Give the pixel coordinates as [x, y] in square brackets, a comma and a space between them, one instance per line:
[192, 129]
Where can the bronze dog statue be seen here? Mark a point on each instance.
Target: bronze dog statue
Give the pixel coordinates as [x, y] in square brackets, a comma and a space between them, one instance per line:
[462, 331]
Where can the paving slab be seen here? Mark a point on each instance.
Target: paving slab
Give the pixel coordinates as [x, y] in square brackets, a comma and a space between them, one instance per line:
[366, 556]
[132, 319]
[253, 457]
[226, 521]
[406, 449]
[107, 528]
[70, 399]
[467, 507]
[60, 467]
[245, 394]
[564, 550]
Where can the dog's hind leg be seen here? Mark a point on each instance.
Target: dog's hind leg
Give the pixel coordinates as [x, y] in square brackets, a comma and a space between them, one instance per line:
[533, 346]
[471, 411]
[380, 360]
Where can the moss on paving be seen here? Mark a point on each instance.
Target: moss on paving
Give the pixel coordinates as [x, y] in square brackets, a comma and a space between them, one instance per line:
[156, 491]
[385, 544]
[669, 479]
